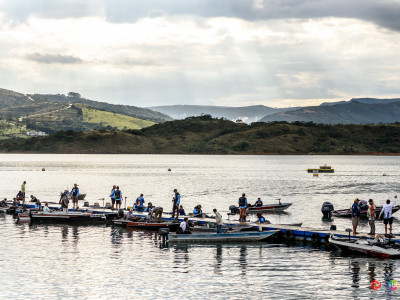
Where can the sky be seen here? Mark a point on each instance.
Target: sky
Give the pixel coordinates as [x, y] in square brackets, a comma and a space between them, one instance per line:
[277, 53]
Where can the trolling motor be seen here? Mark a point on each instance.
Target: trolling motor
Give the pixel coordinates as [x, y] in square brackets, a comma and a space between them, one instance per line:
[327, 209]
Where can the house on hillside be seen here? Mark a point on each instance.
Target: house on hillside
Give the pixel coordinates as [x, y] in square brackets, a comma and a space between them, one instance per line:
[36, 133]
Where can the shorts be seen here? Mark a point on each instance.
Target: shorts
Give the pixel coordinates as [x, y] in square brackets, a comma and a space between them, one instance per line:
[354, 221]
[74, 199]
[118, 201]
[140, 209]
[113, 201]
[388, 221]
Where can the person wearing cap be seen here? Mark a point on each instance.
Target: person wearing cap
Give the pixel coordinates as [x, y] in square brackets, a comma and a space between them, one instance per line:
[258, 203]
[386, 211]
[371, 216]
[197, 212]
[75, 194]
[176, 200]
[355, 215]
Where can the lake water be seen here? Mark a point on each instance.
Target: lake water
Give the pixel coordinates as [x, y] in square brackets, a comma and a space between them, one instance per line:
[103, 262]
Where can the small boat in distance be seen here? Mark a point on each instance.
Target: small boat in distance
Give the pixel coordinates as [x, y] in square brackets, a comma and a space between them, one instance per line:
[322, 169]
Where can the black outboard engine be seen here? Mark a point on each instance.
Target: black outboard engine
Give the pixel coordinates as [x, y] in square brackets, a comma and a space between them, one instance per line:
[327, 209]
[234, 209]
[121, 213]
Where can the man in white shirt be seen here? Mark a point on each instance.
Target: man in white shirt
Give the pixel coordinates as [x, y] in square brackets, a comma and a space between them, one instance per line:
[46, 208]
[185, 226]
[387, 214]
[218, 220]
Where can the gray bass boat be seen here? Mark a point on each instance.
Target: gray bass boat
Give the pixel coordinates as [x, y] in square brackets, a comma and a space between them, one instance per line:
[246, 236]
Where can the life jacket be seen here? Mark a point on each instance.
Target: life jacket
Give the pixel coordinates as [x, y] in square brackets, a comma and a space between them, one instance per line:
[117, 194]
[74, 191]
[262, 220]
[369, 211]
[242, 201]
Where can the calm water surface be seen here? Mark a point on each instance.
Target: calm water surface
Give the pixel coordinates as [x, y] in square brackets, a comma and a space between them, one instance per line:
[103, 262]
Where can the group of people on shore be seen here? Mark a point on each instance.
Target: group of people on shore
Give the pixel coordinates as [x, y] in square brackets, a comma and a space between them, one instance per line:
[386, 212]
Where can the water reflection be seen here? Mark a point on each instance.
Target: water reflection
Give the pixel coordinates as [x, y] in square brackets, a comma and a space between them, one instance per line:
[181, 258]
[218, 260]
[243, 259]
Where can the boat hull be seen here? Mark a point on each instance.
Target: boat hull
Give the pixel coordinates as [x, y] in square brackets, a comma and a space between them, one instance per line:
[221, 237]
[269, 208]
[70, 217]
[365, 249]
[346, 213]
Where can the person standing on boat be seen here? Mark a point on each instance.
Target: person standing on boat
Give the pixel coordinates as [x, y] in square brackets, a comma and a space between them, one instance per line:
[64, 203]
[355, 215]
[258, 203]
[118, 198]
[23, 190]
[387, 210]
[112, 196]
[371, 216]
[242, 206]
[176, 200]
[140, 203]
[218, 220]
[75, 194]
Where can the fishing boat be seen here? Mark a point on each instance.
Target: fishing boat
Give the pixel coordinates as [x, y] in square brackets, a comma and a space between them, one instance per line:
[70, 217]
[379, 247]
[142, 224]
[265, 208]
[346, 213]
[322, 169]
[247, 236]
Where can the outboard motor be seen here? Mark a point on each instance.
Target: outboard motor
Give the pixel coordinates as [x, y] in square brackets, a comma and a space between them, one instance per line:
[234, 209]
[86, 204]
[327, 209]
[121, 213]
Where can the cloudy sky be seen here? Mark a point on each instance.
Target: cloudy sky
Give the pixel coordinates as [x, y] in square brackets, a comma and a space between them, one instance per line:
[212, 52]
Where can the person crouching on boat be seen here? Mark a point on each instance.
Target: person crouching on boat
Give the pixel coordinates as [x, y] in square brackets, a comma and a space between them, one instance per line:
[242, 206]
[387, 210]
[355, 215]
[258, 203]
[75, 194]
[181, 211]
[262, 220]
[184, 227]
[218, 220]
[156, 212]
[197, 212]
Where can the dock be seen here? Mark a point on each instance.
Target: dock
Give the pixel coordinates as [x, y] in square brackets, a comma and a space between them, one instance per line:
[287, 232]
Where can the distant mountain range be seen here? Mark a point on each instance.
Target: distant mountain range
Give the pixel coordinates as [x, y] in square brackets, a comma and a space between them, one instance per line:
[355, 111]
[247, 114]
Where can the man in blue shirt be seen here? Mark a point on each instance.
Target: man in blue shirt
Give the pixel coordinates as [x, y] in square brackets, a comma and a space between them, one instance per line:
[242, 206]
[75, 194]
[112, 196]
[139, 203]
[176, 200]
[355, 215]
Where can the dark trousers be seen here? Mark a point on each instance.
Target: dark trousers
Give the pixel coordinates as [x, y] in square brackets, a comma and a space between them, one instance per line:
[175, 208]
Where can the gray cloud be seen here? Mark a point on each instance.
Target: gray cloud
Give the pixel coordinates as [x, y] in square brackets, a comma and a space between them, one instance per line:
[53, 58]
[385, 13]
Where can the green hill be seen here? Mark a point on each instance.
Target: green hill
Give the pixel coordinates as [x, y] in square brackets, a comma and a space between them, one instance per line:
[205, 135]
